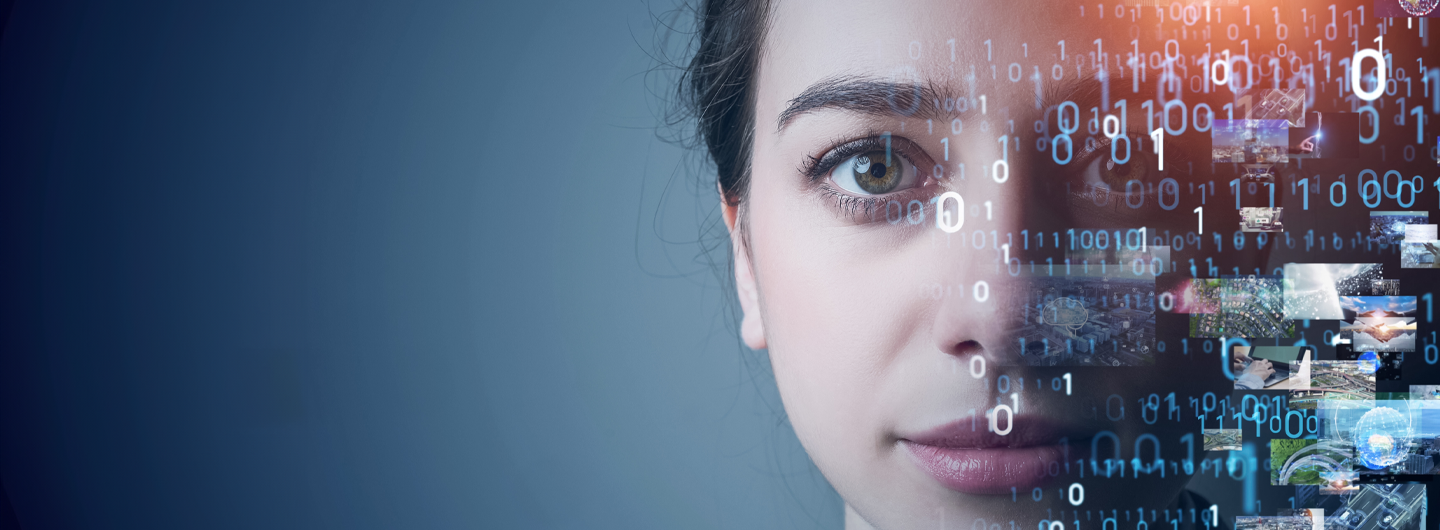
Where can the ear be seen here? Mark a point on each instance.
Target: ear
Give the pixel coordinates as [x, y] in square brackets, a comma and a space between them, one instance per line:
[752, 327]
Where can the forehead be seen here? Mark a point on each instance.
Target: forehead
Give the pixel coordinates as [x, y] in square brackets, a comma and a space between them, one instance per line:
[937, 42]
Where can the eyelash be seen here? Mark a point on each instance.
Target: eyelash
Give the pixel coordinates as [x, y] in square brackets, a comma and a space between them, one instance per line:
[818, 170]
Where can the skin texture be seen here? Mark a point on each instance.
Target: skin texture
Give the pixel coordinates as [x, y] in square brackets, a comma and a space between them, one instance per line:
[860, 359]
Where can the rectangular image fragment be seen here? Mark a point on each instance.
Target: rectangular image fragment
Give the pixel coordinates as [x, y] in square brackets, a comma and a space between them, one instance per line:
[1223, 439]
[1313, 290]
[1380, 334]
[1392, 435]
[1385, 288]
[1252, 522]
[1250, 307]
[1300, 462]
[1425, 392]
[1080, 319]
[1388, 227]
[1372, 507]
[1339, 482]
[1277, 104]
[1260, 219]
[1420, 254]
[1288, 367]
[1421, 233]
[1387, 364]
[1250, 141]
[1371, 307]
[1185, 295]
[1335, 382]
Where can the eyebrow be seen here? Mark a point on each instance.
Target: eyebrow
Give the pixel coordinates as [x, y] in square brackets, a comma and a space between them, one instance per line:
[865, 95]
[878, 97]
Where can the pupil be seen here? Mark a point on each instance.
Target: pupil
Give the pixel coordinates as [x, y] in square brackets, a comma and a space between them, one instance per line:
[877, 170]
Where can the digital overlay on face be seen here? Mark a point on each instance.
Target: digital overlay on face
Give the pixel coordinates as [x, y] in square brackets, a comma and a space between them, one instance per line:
[1067, 261]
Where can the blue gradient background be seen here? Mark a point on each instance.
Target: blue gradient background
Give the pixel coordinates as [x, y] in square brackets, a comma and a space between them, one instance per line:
[358, 264]
[332, 264]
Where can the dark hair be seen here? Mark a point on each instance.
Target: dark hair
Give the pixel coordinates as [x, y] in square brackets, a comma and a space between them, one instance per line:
[717, 88]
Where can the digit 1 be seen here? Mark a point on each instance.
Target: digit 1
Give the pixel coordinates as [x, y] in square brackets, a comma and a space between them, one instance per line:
[1006, 249]
[987, 49]
[1305, 183]
[1419, 121]
[952, 49]
[1067, 383]
[1200, 213]
[982, 100]
[987, 211]
[1429, 303]
[1272, 193]
[1143, 238]
[1158, 136]
[946, 142]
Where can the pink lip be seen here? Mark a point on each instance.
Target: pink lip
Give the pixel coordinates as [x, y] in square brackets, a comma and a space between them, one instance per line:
[982, 462]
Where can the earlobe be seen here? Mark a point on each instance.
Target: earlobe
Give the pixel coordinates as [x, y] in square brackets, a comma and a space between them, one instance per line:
[752, 327]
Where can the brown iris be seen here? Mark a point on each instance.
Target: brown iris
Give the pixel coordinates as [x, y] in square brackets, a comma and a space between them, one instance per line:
[1118, 175]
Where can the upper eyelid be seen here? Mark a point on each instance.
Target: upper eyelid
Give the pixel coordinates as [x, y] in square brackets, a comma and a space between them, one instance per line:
[1102, 144]
[818, 167]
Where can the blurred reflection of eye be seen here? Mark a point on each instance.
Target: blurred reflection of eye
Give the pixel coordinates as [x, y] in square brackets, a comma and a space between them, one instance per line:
[875, 173]
[1104, 193]
[1098, 169]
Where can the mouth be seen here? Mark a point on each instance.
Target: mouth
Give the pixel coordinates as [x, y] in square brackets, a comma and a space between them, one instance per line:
[967, 457]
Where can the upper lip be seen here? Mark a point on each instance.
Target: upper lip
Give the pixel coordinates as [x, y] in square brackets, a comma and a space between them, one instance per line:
[1025, 431]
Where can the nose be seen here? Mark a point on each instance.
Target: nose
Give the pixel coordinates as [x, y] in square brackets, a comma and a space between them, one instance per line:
[976, 320]
[977, 313]
[966, 327]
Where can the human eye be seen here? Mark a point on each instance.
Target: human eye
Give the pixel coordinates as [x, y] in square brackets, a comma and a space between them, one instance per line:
[861, 176]
[1098, 169]
[875, 172]
[1112, 187]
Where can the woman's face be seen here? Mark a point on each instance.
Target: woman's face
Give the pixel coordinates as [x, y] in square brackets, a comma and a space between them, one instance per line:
[873, 325]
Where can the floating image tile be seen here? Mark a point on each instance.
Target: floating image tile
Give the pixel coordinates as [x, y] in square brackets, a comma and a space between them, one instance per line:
[1335, 381]
[1300, 462]
[1380, 334]
[1313, 290]
[1339, 482]
[1262, 219]
[1356, 307]
[1385, 288]
[1081, 320]
[1425, 392]
[1250, 307]
[1372, 507]
[1248, 522]
[1419, 254]
[1223, 439]
[1388, 227]
[1421, 233]
[1188, 295]
[1250, 141]
[1277, 104]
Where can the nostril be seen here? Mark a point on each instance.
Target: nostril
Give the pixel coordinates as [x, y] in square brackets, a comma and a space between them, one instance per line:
[966, 348]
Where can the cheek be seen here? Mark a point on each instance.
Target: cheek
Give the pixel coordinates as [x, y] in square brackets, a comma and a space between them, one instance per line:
[837, 309]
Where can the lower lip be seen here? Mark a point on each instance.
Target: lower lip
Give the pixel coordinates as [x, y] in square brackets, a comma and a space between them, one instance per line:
[988, 471]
